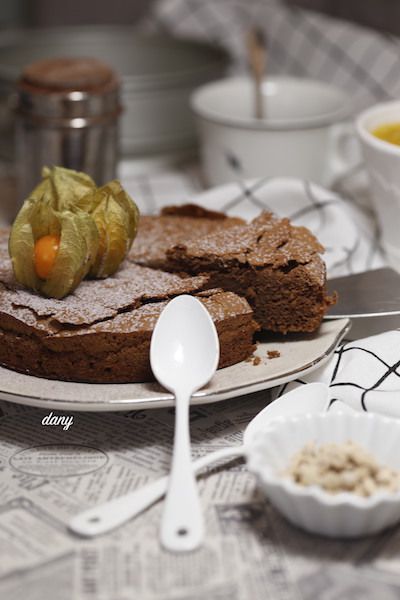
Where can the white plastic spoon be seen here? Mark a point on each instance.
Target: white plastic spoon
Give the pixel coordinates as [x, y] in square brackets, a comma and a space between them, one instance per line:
[184, 355]
[313, 397]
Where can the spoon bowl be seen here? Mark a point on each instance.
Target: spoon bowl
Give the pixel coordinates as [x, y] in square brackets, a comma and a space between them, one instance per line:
[184, 351]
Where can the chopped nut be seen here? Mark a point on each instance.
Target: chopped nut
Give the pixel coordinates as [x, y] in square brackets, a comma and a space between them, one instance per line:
[256, 360]
[342, 468]
[273, 353]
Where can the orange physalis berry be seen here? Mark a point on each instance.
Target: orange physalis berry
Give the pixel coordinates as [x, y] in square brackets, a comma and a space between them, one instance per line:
[46, 249]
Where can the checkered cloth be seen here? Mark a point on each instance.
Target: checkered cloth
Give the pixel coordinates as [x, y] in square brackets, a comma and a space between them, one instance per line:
[363, 62]
[363, 375]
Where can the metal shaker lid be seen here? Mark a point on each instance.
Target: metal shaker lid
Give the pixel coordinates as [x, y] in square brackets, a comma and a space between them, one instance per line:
[68, 74]
[79, 91]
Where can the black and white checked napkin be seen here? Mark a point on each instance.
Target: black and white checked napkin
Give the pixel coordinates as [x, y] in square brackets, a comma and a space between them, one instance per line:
[363, 62]
[363, 375]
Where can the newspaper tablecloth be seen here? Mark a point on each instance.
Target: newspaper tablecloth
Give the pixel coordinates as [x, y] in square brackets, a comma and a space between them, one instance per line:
[250, 552]
[47, 473]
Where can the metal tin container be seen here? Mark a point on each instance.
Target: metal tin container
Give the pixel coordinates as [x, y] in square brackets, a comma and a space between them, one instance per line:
[66, 114]
[158, 74]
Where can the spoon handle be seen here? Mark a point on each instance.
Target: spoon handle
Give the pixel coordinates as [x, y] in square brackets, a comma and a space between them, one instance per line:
[182, 526]
[102, 519]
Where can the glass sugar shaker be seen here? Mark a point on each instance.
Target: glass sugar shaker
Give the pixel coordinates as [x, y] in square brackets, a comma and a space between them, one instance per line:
[67, 113]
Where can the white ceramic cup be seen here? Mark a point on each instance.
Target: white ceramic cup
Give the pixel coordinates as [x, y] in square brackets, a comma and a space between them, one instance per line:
[382, 160]
[303, 134]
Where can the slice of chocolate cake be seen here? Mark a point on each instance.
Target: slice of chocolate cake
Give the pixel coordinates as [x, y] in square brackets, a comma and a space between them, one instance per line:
[275, 265]
[101, 332]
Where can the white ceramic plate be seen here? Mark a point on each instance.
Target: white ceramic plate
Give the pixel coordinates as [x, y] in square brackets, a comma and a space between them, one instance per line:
[299, 355]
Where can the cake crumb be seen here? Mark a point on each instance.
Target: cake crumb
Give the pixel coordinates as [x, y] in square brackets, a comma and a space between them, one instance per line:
[273, 353]
[339, 468]
[256, 360]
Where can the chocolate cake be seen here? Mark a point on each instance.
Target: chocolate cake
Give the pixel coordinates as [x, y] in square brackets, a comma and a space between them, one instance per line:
[102, 331]
[275, 265]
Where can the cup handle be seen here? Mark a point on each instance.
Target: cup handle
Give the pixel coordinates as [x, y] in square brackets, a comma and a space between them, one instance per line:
[345, 153]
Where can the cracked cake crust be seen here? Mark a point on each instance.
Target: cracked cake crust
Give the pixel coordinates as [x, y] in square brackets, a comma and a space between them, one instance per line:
[175, 224]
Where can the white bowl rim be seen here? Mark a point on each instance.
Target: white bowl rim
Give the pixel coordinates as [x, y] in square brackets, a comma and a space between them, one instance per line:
[319, 121]
[368, 137]
[272, 479]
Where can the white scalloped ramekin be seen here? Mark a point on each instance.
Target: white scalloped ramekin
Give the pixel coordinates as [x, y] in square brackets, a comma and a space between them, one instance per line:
[345, 514]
